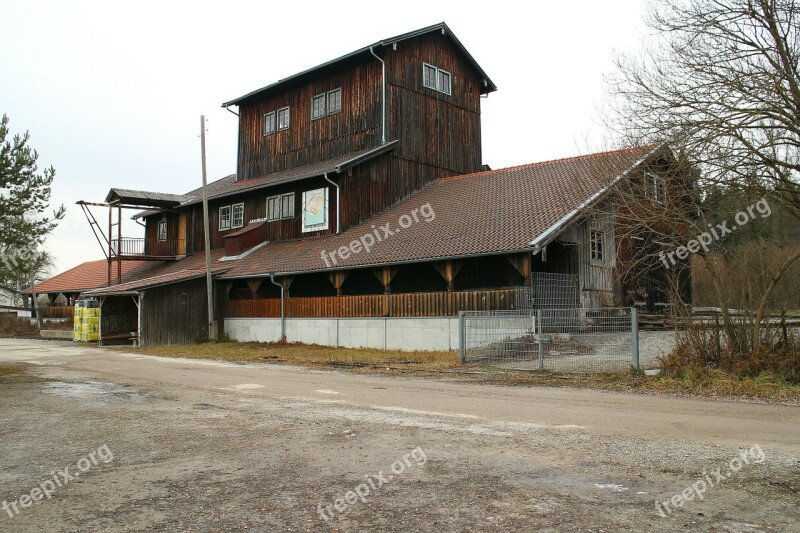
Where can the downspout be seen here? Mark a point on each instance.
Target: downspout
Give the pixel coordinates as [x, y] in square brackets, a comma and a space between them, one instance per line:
[338, 202]
[383, 96]
[283, 314]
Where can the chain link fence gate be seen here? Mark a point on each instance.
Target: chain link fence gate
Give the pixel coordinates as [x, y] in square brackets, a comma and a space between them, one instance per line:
[576, 339]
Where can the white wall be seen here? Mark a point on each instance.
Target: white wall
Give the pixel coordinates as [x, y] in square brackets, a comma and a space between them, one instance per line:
[408, 334]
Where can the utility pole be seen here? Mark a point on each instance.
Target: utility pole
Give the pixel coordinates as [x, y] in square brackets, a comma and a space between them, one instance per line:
[212, 331]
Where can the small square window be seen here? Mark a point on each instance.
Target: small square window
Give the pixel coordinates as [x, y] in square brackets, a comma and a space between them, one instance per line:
[597, 246]
[283, 119]
[444, 82]
[162, 230]
[318, 106]
[269, 123]
[334, 101]
[428, 76]
[225, 218]
[238, 216]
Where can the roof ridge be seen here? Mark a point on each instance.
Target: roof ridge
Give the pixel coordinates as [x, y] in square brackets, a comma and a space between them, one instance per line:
[548, 161]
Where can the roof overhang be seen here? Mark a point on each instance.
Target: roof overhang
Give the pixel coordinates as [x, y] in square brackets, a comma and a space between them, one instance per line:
[487, 86]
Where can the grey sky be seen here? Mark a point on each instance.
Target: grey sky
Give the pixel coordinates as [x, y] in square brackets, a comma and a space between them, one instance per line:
[112, 92]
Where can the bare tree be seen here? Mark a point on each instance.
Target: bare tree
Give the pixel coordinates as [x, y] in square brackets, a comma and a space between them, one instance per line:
[719, 82]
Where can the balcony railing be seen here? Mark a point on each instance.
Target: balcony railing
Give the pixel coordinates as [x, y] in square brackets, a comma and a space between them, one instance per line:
[143, 247]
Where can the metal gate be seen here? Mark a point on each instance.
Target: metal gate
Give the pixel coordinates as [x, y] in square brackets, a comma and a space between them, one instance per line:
[576, 339]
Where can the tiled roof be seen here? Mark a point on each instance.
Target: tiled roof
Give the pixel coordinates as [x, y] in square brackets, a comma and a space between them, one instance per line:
[167, 272]
[91, 275]
[491, 212]
[484, 213]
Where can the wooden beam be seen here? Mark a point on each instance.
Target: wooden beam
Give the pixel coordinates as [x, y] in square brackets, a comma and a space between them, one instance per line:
[522, 262]
[449, 270]
[337, 279]
[385, 275]
[254, 285]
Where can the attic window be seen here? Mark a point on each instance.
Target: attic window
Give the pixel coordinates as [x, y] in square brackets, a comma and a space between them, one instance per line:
[283, 119]
[328, 103]
[436, 79]
[162, 230]
[655, 188]
[269, 123]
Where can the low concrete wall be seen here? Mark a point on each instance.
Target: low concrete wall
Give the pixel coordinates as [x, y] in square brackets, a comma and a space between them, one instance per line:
[408, 334]
[56, 334]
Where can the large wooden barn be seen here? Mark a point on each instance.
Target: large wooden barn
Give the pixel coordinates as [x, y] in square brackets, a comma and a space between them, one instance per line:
[361, 208]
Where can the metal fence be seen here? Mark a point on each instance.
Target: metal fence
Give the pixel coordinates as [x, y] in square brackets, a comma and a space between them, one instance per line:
[579, 340]
[555, 291]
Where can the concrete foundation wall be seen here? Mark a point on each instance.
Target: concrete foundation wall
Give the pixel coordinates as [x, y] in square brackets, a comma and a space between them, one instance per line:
[408, 334]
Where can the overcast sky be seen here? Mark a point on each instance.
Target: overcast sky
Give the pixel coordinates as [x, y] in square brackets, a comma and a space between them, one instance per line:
[112, 92]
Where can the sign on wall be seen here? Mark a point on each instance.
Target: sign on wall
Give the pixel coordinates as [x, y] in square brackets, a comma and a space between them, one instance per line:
[315, 210]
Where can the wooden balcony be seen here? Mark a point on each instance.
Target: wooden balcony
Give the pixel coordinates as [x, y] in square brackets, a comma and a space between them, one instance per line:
[377, 305]
[144, 249]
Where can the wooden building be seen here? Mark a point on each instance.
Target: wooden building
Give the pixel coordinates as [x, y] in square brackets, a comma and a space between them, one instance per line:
[360, 194]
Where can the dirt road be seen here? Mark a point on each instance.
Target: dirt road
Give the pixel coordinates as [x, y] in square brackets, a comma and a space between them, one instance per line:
[177, 445]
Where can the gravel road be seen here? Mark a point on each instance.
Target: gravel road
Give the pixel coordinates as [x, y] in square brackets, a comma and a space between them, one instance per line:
[139, 443]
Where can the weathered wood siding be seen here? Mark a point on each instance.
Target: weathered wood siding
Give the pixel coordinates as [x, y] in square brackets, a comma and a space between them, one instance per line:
[119, 316]
[356, 127]
[174, 314]
[379, 305]
[435, 129]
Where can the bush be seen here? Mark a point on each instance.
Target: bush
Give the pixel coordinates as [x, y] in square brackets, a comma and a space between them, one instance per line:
[13, 326]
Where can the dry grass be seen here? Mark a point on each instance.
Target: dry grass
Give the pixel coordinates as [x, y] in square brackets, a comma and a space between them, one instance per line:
[711, 384]
[12, 326]
[310, 355]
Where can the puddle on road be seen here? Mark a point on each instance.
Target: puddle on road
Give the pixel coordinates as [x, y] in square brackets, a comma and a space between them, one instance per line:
[94, 390]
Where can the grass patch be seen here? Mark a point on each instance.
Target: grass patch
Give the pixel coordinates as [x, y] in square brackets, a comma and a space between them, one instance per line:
[709, 383]
[311, 355]
[13, 326]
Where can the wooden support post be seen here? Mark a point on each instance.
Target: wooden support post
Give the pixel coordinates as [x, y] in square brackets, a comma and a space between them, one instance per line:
[337, 279]
[449, 270]
[385, 275]
[254, 285]
[286, 283]
[522, 263]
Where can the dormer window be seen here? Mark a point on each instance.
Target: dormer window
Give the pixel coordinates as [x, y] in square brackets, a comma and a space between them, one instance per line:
[436, 79]
[162, 230]
[238, 216]
[280, 207]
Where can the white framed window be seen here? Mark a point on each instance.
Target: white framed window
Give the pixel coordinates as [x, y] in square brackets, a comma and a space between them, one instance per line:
[269, 123]
[428, 76]
[334, 101]
[280, 206]
[162, 230]
[655, 187]
[436, 79]
[597, 246]
[318, 106]
[283, 118]
[238, 216]
[315, 210]
[225, 218]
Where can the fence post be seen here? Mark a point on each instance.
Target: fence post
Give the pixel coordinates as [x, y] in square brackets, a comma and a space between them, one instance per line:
[635, 338]
[462, 336]
[539, 337]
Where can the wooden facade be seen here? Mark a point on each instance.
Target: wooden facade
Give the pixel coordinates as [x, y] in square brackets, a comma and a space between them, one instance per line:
[174, 314]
